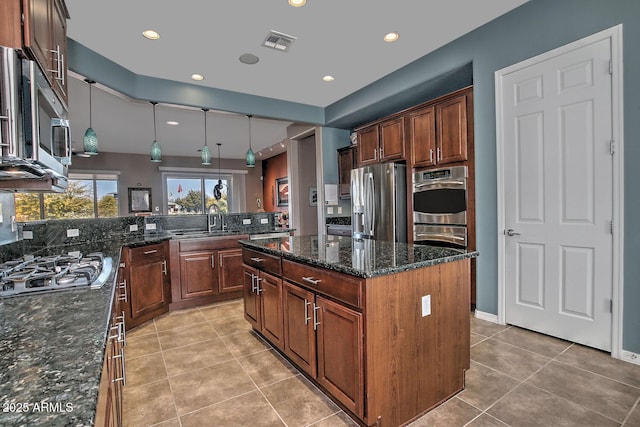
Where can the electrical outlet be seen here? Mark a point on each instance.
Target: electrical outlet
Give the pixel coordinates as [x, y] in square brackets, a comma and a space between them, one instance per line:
[74, 253]
[330, 210]
[426, 305]
[27, 234]
[339, 209]
[73, 232]
[150, 226]
[133, 227]
[264, 220]
[246, 221]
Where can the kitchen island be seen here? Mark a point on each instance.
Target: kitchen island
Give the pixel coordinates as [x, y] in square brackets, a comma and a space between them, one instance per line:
[383, 328]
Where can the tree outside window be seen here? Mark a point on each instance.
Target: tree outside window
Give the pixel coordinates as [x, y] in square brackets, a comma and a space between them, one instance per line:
[185, 195]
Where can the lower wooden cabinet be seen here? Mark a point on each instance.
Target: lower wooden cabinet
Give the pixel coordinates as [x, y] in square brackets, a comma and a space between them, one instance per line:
[112, 380]
[263, 303]
[205, 270]
[364, 341]
[147, 282]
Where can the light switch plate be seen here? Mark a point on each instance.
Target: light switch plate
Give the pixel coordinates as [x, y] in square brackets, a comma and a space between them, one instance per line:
[246, 221]
[264, 220]
[150, 226]
[330, 210]
[74, 253]
[27, 234]
[426, 305]
[73, 232]
[133, 227]
[339, 209]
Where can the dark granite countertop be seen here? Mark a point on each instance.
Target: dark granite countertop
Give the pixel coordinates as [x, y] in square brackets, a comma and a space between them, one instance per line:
[52, 344]
[357, 257]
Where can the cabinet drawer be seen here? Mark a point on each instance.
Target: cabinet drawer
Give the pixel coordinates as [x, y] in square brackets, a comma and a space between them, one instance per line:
[146, 252]
[342, 287]
[262, 261]
[210, 243]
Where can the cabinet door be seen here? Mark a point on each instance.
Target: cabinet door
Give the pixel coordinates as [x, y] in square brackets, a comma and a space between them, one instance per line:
[345, 164]
[198, 274]
[368, 144]
[299, 333]
[392, 140]
[422, 133]
[340, 355]
[59, 45]
[251, 298]
[37, 32]
[452, 130]
[147, 287]
[230, 270]
[270, 291]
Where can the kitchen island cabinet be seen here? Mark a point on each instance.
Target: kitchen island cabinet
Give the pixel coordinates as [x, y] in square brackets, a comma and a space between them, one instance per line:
[383, 328]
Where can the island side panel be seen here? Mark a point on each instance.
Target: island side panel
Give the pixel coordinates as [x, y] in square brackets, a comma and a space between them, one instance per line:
[413, 362]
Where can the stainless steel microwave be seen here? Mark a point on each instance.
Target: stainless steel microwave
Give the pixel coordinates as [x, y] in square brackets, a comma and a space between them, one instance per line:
[35, 139]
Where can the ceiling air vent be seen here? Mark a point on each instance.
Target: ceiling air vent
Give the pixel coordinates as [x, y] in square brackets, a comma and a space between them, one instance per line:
[278, 41]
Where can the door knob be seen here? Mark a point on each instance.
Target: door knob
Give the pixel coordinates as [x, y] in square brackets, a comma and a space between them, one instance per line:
[511, 232]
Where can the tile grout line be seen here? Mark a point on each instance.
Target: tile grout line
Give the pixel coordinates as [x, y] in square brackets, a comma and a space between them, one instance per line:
[164, 363]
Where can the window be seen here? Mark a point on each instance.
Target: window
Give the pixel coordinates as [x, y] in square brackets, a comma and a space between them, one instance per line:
[88, 196]
[185, 194]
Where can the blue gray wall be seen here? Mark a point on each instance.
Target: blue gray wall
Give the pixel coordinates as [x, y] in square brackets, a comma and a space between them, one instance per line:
[534, 28]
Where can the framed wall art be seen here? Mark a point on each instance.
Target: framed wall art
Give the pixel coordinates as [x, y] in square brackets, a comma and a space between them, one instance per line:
[139, 200]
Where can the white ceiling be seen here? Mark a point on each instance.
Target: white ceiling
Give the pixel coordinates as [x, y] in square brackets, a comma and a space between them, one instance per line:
[342, 38]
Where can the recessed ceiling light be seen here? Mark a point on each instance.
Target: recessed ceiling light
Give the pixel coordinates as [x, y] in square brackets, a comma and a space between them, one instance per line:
[297, 3]
[328, 78]
[151, 35]
[391, 37]
[249, 58]
[197, 77]
[173, 123]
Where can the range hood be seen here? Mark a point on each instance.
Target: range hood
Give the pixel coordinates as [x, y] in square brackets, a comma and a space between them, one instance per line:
[17, 175]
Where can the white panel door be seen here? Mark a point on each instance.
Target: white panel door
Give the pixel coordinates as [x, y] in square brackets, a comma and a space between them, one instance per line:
[558, 180]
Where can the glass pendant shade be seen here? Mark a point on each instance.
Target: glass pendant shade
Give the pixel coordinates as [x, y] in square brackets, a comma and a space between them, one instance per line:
[156, 149]
[206, 153]
[90, 141]
[156, 152]
[250, 157]
[206, 156]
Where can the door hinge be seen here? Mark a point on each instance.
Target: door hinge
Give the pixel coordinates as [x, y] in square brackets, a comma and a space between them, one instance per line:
[611, 226]
[610, 306]
[612, 147]
[610, 66]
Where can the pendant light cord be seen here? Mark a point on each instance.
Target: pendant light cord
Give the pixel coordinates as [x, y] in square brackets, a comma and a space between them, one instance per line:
[154, 121]
[90, 114]
[249, 116]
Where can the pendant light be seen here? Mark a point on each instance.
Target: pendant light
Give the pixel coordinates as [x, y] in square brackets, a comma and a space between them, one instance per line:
[217, 190]
[90, 142]
[156, 150]
[206, 154]
[250, 157]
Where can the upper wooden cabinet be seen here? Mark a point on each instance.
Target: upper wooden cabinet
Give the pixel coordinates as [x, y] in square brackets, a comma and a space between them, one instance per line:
[438, 133]
[42, 35]
[381, 142]
[347, 160]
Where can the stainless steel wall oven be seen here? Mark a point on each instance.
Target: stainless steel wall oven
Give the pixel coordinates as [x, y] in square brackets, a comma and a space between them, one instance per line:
[440, 206]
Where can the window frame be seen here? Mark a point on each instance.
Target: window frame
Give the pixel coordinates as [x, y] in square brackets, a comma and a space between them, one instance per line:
[202, 176]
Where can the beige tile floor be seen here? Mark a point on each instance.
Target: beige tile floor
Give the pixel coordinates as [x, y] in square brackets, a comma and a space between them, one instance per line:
[205, 367]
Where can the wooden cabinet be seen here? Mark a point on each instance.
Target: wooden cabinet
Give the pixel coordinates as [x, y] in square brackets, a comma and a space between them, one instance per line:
[364, 341]
[381, 142]
[347, 160]
[205, 270]
[112, 380]
[230, 263]
[263, 303]
[147, 283]
[438, 133]
[45, 38]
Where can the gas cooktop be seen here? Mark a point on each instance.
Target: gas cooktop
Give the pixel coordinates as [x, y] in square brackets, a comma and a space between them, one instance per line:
[52, 273]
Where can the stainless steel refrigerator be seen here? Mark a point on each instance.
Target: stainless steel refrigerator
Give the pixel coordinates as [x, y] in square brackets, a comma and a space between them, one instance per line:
[379, 202]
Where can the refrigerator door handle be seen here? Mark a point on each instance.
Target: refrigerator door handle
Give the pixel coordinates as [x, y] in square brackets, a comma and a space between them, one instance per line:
[371, 194]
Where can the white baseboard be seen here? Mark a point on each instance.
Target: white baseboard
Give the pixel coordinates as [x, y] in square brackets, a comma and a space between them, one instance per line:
[493, 318]
[630, 357]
